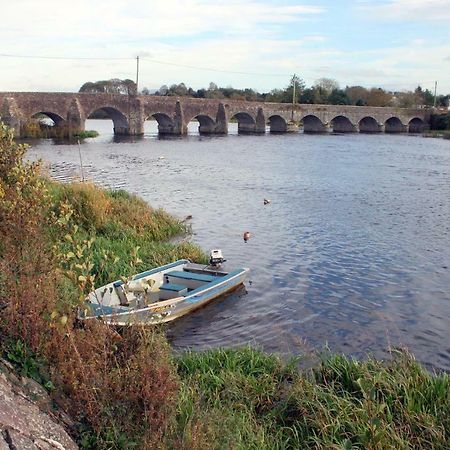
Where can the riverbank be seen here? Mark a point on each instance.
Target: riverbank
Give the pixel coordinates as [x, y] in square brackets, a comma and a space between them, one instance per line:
[128, 389]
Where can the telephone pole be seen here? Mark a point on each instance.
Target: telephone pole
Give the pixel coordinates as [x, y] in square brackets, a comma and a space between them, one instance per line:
[294, 82]
[137, 75]
[435, 89]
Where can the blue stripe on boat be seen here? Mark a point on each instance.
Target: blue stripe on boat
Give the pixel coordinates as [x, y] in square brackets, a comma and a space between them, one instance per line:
[172, 287]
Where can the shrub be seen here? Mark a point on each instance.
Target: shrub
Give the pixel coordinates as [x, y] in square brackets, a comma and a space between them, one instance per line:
[26, 260]
[123, 385]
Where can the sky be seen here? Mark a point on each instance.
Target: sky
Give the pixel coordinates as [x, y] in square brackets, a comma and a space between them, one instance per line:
[393, 44]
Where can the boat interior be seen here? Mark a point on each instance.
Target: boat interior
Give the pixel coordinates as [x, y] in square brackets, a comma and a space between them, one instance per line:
[143, 289]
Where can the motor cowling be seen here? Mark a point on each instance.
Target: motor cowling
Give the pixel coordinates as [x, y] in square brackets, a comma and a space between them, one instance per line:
[216, 258]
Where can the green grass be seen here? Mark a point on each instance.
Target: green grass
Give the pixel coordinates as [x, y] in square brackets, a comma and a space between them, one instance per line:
[85, 134]
[434, 134]
[119, 223]
[250, 400]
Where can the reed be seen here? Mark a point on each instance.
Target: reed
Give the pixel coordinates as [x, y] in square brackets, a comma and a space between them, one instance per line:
[246, 399]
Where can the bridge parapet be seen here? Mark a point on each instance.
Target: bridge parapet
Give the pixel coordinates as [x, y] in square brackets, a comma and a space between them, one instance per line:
[69, 111]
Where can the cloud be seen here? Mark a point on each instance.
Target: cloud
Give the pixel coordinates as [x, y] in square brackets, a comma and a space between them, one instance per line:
[409, 10]
[251, 36]
[150, 20]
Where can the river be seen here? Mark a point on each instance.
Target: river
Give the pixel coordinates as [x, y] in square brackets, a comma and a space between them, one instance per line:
[352, 253]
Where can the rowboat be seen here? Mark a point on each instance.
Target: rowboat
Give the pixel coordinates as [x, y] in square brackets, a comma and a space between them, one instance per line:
[161, 294]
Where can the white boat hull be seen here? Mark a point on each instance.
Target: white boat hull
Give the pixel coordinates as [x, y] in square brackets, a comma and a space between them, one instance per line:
[163, 310]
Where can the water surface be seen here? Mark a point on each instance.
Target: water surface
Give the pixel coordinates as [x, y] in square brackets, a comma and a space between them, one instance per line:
[352, 252]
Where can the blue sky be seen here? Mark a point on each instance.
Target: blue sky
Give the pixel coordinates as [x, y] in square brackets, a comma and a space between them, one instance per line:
[396, 44]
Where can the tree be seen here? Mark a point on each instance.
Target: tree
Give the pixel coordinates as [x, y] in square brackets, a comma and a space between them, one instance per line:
[113, 86]
[338, 97]
[275, 95]
[357, 95]
[379, 97]
[327, 84]
[296, 84]
[163, 90]
[406, 99]
[179, 90]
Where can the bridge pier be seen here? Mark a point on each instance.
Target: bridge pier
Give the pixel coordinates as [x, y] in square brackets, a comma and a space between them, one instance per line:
[177, 127]
[292, 127]
[10, 115]
[258, 127]
[220, 126]
[74, 121]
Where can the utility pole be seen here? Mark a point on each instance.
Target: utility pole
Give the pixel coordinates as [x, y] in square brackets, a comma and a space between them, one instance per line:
[294, 82]
[435, 89]
[137, 75]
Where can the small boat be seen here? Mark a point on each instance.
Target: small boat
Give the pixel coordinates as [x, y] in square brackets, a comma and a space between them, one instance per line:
[161, 294]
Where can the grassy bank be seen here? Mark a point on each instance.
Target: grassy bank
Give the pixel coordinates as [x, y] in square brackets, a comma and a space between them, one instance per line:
[126, 389]
[37, 129]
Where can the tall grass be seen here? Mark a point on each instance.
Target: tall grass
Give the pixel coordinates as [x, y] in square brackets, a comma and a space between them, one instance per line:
[246, 399]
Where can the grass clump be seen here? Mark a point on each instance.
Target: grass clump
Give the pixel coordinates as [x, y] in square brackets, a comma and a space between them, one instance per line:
[245, 399]
[82, 134]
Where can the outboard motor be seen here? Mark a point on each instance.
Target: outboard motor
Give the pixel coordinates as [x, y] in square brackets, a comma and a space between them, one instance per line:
[216, 258]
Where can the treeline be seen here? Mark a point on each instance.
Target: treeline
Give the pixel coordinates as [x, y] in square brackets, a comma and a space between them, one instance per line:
[324, 91]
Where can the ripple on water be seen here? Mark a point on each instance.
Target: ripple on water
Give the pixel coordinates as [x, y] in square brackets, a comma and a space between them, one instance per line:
[352, 251]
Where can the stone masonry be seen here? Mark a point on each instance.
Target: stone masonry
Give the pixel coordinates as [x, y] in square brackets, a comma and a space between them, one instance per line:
[128, 113]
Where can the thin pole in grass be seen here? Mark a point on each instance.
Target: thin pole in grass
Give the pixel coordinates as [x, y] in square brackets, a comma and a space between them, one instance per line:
[81, 161]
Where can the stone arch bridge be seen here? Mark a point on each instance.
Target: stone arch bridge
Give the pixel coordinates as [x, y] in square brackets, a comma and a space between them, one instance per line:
[69, 111]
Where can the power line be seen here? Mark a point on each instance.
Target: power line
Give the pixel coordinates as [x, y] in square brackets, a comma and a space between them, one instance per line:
[6, 55]
[209, 69]
[156, 61]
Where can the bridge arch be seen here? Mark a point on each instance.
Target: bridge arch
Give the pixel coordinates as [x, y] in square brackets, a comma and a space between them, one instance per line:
[246, 123]
[369, 125]
[166, 124]
[416, 125]
[277, 124]
[120, 121]
[342, 124]
[34, 126]
[312, 124]
[394, 125]
[206, 124]
[56, 118]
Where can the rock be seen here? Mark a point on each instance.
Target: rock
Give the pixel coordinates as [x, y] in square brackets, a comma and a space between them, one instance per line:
[3, 444]
[18, 441]
[23, 423]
